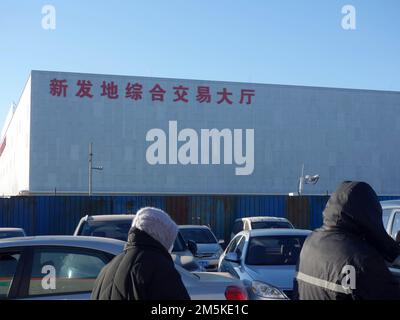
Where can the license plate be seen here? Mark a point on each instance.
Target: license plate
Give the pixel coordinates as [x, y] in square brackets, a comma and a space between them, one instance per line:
[203, 263]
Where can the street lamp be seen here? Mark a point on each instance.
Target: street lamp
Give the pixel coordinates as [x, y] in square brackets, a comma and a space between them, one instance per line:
[91, 168]
[306, 179]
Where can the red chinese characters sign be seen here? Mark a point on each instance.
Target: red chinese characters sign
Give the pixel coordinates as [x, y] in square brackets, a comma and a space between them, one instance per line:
[136, 91]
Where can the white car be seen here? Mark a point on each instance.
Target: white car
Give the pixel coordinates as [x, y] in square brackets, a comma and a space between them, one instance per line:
[65, 267]
[208, 247]
[265, 260]
[117, 226]
[260, 222]
[11, 233]
[391, 218]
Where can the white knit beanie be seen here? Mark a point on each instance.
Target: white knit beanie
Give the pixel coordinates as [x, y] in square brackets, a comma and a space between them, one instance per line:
[157, 224]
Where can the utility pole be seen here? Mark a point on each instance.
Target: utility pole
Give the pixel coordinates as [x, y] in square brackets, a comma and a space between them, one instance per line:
[91, 168]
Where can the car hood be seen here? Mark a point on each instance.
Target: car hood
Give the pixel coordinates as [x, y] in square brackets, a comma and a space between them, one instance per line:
[216, 277]
[279, 276]
[186, 260]
[204, 248]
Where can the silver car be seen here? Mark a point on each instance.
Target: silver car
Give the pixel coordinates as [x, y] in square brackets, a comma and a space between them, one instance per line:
[208, 247]
[391, 217]
[65, 267]
[116, 226]
[260, 222]
[265, 260]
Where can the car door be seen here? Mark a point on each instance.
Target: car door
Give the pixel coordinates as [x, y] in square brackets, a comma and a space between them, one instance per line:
[11, 268]
[395, 227]
[236, 269]
[236, 247]
[59, 272]
[223, 265]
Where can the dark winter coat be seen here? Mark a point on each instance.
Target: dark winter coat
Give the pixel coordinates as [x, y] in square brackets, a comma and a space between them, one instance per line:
[143, 271]
[352, 235]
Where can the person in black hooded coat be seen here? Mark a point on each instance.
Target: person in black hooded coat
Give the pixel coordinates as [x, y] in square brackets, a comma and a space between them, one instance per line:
[145, 269]
[345, 258]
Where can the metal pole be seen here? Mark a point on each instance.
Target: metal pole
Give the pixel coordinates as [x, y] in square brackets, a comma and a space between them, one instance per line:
[90, 167]
[301, 182]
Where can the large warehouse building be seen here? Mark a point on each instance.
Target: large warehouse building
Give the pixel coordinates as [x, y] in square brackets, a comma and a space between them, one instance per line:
[176, 136]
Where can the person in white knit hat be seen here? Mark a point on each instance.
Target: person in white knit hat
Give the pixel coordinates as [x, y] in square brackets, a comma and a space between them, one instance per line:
[145, 270]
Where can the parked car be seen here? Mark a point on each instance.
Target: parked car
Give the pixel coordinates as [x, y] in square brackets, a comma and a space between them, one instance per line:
[208, 247]
[262, 222]
[117, 226]
[65, 267]
[265, 260]
[391, 217]
[11, 233]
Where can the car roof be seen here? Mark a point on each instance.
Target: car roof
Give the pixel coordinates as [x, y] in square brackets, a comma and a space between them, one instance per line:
[193, 226]
[390, 204]
[11, 229]
[108, 217]
[275, 232]
[263, 218]
[104, 244]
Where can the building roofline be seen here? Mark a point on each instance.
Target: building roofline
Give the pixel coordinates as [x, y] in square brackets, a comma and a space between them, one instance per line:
[7, 125]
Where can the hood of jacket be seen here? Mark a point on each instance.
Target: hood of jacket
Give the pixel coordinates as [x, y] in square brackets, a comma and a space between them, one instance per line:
[157, 224]
[354, 208]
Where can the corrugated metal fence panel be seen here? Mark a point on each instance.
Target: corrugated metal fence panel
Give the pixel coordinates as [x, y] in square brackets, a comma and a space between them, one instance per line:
[246, 206]
[40, 215]
[214, 211]
[317, 206]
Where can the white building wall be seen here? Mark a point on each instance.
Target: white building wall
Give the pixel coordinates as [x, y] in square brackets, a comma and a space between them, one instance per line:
[339, 134]
[14, 161]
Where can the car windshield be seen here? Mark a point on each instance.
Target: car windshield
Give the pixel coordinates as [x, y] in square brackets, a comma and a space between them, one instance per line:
[198, 235]
[179, 244]
[11, 234]
[118, 229]
[274, 250]
[271, 225]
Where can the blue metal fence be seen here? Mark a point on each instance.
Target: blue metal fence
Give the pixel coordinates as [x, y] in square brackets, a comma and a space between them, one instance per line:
[40, 215]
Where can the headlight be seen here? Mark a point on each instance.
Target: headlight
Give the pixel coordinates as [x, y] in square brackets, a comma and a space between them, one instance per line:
[266, 291]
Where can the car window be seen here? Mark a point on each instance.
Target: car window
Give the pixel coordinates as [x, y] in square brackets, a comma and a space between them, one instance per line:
[385, 216]
[117, 229]
[237, 227]
[8, 267]
[274, 250]
[271, 225]
[60, 270]
[11, 234]
[396, 224]
[240, 246]
[198, 235]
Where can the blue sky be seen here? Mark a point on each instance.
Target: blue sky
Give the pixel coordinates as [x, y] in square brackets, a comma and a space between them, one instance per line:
[265, 41]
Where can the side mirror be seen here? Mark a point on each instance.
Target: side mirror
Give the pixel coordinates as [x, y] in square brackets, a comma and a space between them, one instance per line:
[232, 257]
[397, 238]
[192, 246]
[221, 242]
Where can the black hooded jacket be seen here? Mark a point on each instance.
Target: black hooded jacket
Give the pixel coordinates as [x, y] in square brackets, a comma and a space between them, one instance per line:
[352, 241]
[143, 271]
